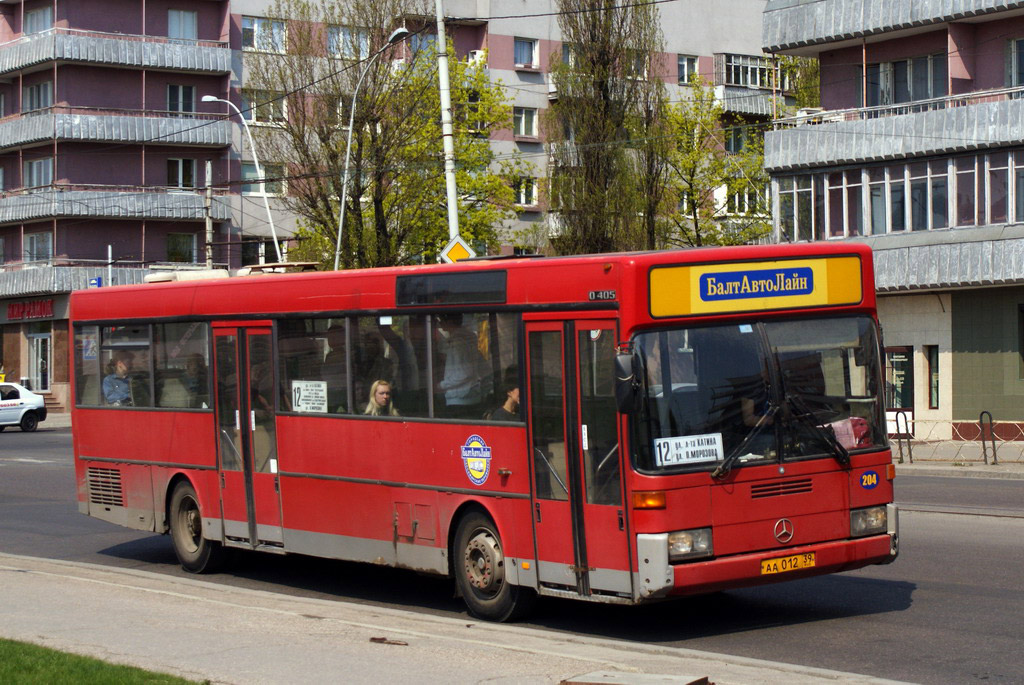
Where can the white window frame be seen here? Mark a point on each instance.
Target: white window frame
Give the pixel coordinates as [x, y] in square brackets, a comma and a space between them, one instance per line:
[526, 191]
[250, 172]
[751, 71]
[178, 170]
[37, 96]
[33, 243]
[267, 35]
[183, 25]
[38, 20]
[38, 173]
[176, 98]
[524, 122]
[346, 42]
[686, 68]
[530, 44]
[263, 106]
[422, 41]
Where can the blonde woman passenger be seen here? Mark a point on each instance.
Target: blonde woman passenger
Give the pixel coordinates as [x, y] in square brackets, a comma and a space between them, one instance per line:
[380, 400]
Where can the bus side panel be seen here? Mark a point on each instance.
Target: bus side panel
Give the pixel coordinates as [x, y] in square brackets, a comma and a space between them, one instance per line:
[345, 493]
[167, 437]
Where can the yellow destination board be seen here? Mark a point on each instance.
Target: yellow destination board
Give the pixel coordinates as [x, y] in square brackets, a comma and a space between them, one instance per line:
[753, 286]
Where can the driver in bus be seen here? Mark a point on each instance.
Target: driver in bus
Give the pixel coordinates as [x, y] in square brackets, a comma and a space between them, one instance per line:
[117, 387]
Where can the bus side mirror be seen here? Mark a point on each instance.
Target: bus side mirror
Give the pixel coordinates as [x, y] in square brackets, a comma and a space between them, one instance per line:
[627, 382]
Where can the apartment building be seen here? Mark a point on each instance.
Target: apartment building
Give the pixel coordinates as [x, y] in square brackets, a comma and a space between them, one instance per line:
[105, 137]
[919, 151]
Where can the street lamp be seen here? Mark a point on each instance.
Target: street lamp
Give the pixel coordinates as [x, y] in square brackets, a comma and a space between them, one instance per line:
[396, 36]
[259, 169]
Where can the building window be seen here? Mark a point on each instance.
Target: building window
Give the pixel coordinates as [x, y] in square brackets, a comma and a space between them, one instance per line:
[3, 105]
[899, 378]
[3, 258]
[38, 20]
[348, 43]
[262, 106]
[569, 54]
[183, 25]
[687, 69]
[3, 186]
[748, 70]
[526, 191]
[181, 98]
[181, 247]
[998, 187]
[272, 185]
[181, 173]
[1017, 62]
[931, 353]
[38, 172]
[37, 96]
[524, 121]
[260, 33]
[908, 80]
[38, 247]
[795, 207]
[525, 53]
[735, 138]
[418, 42]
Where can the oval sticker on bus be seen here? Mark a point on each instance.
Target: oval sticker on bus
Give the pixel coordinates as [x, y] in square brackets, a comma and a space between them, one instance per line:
[868, 480]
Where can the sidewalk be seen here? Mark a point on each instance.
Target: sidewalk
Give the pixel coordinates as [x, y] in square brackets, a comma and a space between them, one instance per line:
[201, 630]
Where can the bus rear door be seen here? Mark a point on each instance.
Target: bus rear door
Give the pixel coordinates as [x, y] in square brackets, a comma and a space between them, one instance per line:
[246, 440]
[579, 518]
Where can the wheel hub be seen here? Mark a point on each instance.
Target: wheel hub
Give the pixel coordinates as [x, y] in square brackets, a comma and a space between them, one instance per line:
[485, 566]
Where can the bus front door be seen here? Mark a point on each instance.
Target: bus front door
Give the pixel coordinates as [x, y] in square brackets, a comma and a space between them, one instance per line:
[246, 441]
[579, 517]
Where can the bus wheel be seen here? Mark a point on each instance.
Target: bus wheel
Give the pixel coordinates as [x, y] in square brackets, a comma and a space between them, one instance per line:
[29, 422]
[480, 572]
[196, 553]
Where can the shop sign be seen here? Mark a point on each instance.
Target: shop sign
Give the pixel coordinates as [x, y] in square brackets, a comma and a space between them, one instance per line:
[32, 309]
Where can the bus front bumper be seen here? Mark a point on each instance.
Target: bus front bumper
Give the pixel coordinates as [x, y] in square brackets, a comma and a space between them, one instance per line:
[657, 578]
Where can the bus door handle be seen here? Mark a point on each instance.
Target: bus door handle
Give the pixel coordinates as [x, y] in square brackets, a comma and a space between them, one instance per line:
[252, 420]
[238, 421]
[537, 505]
[622, 521]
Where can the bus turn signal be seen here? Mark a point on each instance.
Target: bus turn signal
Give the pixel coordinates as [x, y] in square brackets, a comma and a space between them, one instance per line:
[649, 500]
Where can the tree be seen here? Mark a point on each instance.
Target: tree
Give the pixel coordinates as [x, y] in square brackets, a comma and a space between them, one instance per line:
[396, 202]
[602, 128]
[717, 183]
[802, 75]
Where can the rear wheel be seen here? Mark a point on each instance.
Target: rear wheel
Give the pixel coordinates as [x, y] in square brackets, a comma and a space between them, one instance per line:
[480, 572]
[196, 553]
[2, 428]
[29, 422]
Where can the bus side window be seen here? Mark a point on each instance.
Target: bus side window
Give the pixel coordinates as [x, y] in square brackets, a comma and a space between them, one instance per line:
[181, 360]
[88, 373]
[300, 347]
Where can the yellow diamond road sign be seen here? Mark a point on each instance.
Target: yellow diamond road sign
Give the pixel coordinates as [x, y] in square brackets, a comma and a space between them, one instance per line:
[456, 249]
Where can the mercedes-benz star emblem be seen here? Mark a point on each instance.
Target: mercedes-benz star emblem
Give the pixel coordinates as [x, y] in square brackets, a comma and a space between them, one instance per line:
[783, 530]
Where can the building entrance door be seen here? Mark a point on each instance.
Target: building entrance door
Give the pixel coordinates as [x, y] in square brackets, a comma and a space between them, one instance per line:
[40, 360]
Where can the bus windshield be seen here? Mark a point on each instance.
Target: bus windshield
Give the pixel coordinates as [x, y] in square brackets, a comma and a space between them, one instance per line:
[758, 392]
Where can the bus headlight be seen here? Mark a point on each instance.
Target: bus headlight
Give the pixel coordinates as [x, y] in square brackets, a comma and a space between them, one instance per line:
[689, 544]
[869, 521]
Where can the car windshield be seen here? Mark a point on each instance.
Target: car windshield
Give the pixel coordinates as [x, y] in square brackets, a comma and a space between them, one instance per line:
[758, 392]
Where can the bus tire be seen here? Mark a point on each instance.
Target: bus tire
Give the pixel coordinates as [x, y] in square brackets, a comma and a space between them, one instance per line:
[195, 553]
[480, 572]
[29, 422]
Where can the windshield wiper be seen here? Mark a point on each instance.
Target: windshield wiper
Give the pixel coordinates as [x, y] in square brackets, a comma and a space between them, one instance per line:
[723, 469]
[805, 416]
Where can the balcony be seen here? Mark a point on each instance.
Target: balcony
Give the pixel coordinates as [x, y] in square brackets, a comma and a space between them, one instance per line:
[115, 50]
[793, 24]
[946, 125]
[109, 202]
[92, 124]
[59, 275]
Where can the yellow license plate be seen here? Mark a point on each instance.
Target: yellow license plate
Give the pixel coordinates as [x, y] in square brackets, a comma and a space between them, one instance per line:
[784, 564]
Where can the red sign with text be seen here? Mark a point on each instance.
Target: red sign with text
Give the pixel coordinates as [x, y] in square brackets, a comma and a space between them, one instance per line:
[35, 309]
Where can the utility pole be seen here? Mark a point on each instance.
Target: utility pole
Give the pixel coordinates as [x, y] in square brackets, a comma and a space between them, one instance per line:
[447, 135]
[207, 210]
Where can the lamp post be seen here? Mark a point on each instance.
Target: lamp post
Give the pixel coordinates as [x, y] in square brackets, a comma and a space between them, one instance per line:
[396, 36]
[259, 169]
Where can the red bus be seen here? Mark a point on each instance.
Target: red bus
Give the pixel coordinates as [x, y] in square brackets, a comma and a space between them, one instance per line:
[616, 428]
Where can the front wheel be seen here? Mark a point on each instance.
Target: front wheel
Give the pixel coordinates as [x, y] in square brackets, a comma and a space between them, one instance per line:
[29, 422]
[196, 553]
[480, 572]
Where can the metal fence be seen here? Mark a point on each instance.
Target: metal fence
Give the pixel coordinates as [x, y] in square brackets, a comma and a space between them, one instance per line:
[984, 441]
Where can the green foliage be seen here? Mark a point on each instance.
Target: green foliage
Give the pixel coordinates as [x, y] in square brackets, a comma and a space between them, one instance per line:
[704, 175]
[396, 199]
[29, 664]
[804, 80]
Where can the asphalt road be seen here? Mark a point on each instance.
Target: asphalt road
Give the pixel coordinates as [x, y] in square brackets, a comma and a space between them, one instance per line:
[948, 610]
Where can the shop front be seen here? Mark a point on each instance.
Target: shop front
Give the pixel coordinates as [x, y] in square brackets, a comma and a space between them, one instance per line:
[34, 350]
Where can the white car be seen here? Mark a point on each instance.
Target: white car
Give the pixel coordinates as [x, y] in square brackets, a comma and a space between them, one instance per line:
[19, 406]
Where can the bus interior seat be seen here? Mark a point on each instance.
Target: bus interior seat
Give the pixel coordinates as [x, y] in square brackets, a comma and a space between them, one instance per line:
[173, 393]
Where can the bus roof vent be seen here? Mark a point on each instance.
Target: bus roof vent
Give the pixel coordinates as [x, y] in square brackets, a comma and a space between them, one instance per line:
[189, 275]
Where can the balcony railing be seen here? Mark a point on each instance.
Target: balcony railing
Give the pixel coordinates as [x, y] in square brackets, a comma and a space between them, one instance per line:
[107, 201]
[116, 49]
[157, 127]
[899, 109]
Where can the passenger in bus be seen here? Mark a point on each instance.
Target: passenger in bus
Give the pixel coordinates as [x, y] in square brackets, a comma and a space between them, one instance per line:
[509, 409]
[464, 368]
[117, 387]
[334, 370]
[380, 400]
[370, 362]
[196, 380]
